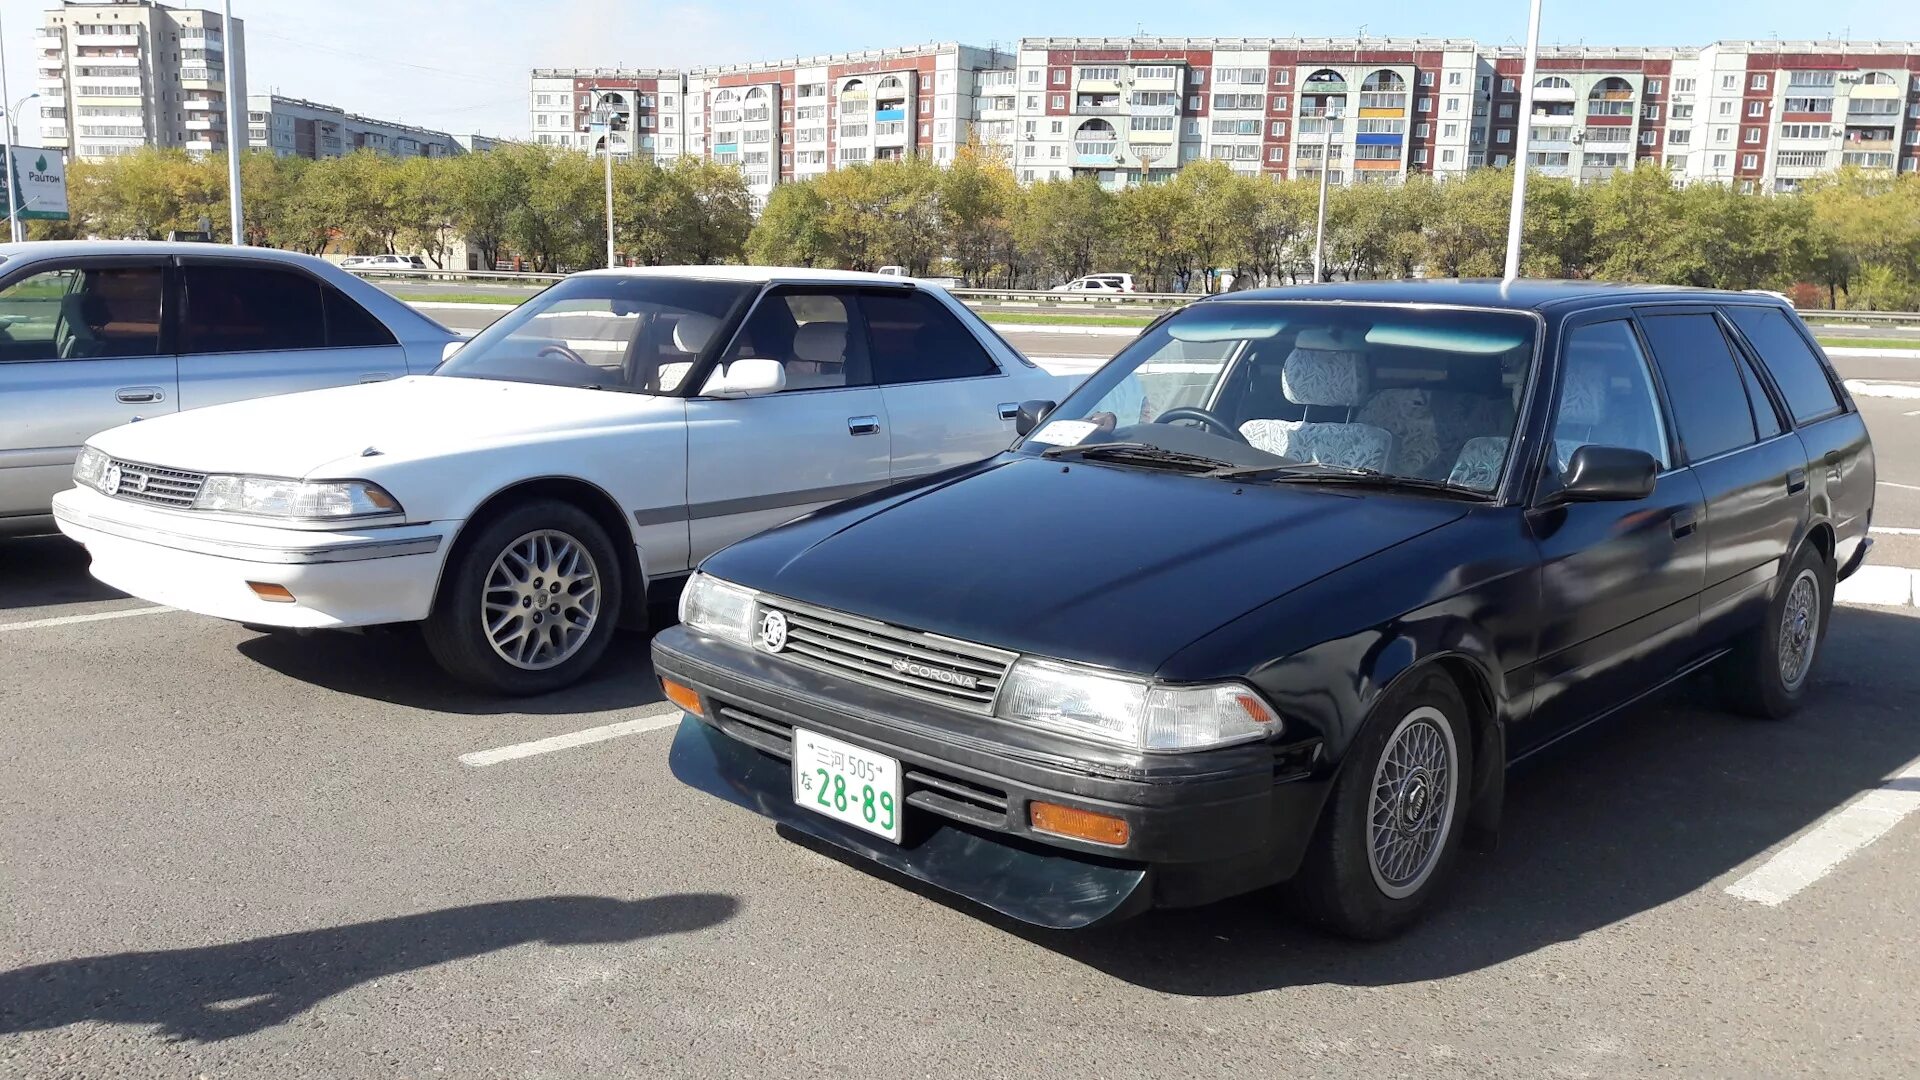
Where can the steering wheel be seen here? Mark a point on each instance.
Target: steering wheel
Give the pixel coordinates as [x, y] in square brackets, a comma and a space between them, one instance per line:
[562, 352]
[1202, 417]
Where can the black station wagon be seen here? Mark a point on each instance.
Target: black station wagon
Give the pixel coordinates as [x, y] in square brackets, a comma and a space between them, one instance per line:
[1279, 593]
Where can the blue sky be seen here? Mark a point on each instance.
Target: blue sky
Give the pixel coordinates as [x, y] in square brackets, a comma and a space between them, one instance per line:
[461, 65]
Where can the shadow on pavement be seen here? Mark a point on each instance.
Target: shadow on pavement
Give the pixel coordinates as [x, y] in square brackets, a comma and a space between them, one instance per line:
[1629, 815]
[41, 571]
[393, 665]
[215, 992]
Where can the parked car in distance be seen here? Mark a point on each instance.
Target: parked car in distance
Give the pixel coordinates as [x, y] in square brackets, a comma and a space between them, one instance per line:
[94, 335]
[581, 452]
[1098, 283]
[383, 262]
[1280, 592]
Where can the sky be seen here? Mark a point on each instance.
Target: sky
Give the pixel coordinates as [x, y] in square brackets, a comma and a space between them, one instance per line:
[462, 65]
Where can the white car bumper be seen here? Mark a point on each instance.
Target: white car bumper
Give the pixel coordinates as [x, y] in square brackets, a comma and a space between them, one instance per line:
[338, 578]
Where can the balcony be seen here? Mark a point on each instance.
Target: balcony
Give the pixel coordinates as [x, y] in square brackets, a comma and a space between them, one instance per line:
[132, 37]
[1103, 108]
[1610, 107]
[200, 104]
[206, 123]
[754, 116]
[1323, 86]
[1318, 125]
[1096, 152]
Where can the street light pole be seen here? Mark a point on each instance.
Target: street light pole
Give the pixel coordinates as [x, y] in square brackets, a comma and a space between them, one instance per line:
[1517, 213]
[234, 130]
[1320, 228]
[605, 111]
[6, 147]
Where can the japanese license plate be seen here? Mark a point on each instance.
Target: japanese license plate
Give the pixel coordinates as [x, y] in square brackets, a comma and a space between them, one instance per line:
[847, 783]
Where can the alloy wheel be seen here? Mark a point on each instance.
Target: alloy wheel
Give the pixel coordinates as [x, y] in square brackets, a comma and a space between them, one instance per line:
[1799, 630]
[541, 600]
[1410, 810]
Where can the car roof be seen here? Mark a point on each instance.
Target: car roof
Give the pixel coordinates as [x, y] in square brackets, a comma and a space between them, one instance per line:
[760, 274]
[35, 250]
[1524, 294]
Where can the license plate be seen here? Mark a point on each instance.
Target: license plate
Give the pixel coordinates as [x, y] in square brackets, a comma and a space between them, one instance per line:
[847, 783]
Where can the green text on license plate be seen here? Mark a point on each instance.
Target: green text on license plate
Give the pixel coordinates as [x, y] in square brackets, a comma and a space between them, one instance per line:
[847, 783]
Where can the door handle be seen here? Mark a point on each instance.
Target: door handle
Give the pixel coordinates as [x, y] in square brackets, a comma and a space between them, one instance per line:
[1009, 410]
[376, 376]
[1796, 481]
[139, 395]
[1683, 522]
[862, 425]
[1834, 457]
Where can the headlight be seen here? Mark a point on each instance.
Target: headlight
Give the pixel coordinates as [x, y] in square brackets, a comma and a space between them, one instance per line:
[90, 467]
[1139, 714]
[718, 607]
[316, 500]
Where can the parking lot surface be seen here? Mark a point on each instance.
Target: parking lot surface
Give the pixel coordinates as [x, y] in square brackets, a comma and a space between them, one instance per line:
[230, 854]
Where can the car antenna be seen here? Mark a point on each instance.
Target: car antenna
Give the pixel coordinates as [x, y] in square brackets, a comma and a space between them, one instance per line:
[371, 451]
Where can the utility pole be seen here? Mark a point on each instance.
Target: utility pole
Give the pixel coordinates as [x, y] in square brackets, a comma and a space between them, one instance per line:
[1517, 213]
[604, 110]
[235, 133]
[1320, 228]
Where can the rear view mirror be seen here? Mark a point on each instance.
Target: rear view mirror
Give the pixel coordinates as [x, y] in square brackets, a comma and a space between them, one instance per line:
[1607, 474]
[451, 347]
[1030, 415]
[751, 377]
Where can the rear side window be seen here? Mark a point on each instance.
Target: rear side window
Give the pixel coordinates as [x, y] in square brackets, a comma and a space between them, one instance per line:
[1801, 376]
[1703, 385]
[1766, 421]
[251, 309]
[916, 339]
[349, 325]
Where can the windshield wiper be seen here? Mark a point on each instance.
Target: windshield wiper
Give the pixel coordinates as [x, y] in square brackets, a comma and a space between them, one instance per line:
[1322, 473]
[1138, 453]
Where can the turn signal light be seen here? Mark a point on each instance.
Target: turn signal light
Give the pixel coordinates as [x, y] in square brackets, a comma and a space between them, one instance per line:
[272, 594]
[683, 696]
[1078, 824]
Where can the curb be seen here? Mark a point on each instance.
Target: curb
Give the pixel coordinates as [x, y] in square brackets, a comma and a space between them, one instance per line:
[1883, 388]
[1880, 586]
[1089, 331]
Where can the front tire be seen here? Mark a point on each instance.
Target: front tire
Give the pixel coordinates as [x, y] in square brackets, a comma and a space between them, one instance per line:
[1771, 665]
[530, 601]
[1394, 820]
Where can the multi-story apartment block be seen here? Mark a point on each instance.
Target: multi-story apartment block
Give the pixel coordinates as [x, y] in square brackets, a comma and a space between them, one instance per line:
[115, 75]
[291, 127]
[645, 106]
[1764, 115]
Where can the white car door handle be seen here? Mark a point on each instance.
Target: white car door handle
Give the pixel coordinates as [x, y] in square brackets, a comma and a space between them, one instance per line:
[139, 395]
[863, 425]
[1009, 410]
[376, 376]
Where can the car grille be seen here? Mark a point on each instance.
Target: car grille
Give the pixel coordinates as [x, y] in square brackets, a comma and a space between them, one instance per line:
[155, 485]
[926, 666]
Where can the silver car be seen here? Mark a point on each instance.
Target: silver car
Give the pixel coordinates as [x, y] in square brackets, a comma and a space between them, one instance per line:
[98, 334]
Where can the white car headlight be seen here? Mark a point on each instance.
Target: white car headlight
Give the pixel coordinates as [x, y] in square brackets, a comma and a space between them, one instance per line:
[1135, 713]
[718, 607]
[299, 500]
[90, 467]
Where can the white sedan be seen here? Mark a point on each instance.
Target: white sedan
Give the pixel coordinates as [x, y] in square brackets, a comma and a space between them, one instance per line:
[524, 498]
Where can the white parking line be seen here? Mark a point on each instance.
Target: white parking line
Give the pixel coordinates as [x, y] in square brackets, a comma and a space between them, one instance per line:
[1815, 854]
[666, 715]
[1894, 530]
[1903, 487]
[68, 620]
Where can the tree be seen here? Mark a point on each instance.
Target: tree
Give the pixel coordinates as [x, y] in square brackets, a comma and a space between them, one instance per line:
[1635, 238]
[1466, 234]
[1149, 232]
[792, 230]
[486, 190]
[424, 207]
[977, 196]
[1064, 226]
[723, 211]
[1213, 224]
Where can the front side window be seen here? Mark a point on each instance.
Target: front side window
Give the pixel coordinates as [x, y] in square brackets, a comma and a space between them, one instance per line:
[808, 332]
[1606, 395]
[1420, 395]
[1710, 410]
[82, 313]
[638, 333]
[250, 309]
[1799, 374]
[916, 339]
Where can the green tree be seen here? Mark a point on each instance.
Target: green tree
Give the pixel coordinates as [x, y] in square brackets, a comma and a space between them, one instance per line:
[1064, 226]
[724, 211]
[486, 191]
[977, 196]
[1149, 232]
[424, 207]
[1218, 204]
[792, 230]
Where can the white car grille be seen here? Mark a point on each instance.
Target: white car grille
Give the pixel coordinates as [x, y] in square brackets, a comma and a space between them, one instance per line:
[926, 666]
[151, 484]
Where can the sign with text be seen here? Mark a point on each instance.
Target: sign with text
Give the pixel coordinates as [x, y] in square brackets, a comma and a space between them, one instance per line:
[41, 176]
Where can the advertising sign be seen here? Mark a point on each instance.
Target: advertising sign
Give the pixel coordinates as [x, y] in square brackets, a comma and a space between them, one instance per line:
[42, 179]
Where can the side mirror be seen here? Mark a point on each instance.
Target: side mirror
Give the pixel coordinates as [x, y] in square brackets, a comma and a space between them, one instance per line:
[1030, 415]
[451, 347]
[1608, 474]
[752, 377]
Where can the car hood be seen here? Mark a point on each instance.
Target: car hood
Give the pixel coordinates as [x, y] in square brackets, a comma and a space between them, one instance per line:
[419, 416]
[1106, 565]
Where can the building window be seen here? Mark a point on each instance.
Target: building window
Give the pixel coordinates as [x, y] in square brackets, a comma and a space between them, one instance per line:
[1033, 76]
[1447, 131]
[1506, 86]
[1653, 86]
[1033, 102]
[1056, 127]
[1278, 153]
[1453, 104]
[1503, 136]
[1756, 108]
[1752, 136]
[1423, 129]
[1454, 78]
[1193, 127]
[1199, 77]
[1426, 78]
[1683, 86]
[1278, 127]
[1749, 161]
[1446, 157]
[1059, 76]
[1424, 104]
[1506, 111]
[1729, 82]
[1279, 103]
[1058, 101]
[1053, 151]
[1651, 112]
[1722, 134]
[1031, 126]
[1282, 77]
[1420, 155]
[1193, 103]
[1759, 82]
[1648, 138]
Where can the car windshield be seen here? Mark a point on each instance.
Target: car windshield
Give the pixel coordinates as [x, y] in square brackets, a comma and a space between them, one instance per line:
[637, 333]
[1299, 391]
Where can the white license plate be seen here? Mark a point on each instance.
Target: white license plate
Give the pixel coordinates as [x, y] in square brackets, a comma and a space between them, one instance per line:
[847, 783]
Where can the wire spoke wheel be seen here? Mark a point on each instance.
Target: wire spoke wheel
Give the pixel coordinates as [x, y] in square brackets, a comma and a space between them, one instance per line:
[1411, 808]
[541, 600]
[1799, 630]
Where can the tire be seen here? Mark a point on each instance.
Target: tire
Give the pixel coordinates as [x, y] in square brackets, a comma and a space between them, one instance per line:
[541, 550]
[1357, 881]
[1767, 674]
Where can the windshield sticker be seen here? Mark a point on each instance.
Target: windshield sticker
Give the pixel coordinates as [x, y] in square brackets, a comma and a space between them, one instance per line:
[1064, 432]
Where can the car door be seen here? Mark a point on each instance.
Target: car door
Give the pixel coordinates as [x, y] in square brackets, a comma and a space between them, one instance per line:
[1840, 466]
[1620, 580]
[251, 328]
[82, 349]
[755, 462]
[1752, 470]
[947, 398]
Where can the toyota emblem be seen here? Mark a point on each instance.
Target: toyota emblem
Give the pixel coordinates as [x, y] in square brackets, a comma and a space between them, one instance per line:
[773, 631]
[110, 481]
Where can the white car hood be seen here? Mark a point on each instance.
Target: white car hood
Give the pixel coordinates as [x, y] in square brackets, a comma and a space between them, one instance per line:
[419, 416]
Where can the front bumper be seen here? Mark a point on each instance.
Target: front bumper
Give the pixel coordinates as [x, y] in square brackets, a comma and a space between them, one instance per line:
[1201, 826]
[338, 578]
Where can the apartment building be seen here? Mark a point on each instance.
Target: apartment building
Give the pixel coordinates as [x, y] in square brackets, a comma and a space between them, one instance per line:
[291, 127]
[115, 75]
[645, 104]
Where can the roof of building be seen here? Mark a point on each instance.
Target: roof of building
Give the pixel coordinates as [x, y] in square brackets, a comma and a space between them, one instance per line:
[1521, 294]
[897, 52]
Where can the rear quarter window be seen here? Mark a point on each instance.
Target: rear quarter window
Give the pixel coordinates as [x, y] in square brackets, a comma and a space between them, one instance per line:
[1796, 370]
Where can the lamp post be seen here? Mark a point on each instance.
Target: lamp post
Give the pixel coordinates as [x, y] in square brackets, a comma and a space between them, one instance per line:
[603, 109]
[7, 138]
[1516, 214]
[1320, 228]
[234, 130]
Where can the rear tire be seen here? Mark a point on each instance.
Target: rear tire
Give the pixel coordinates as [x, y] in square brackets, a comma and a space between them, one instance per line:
[1394, 820]
[1771, 665]
[529, 602]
